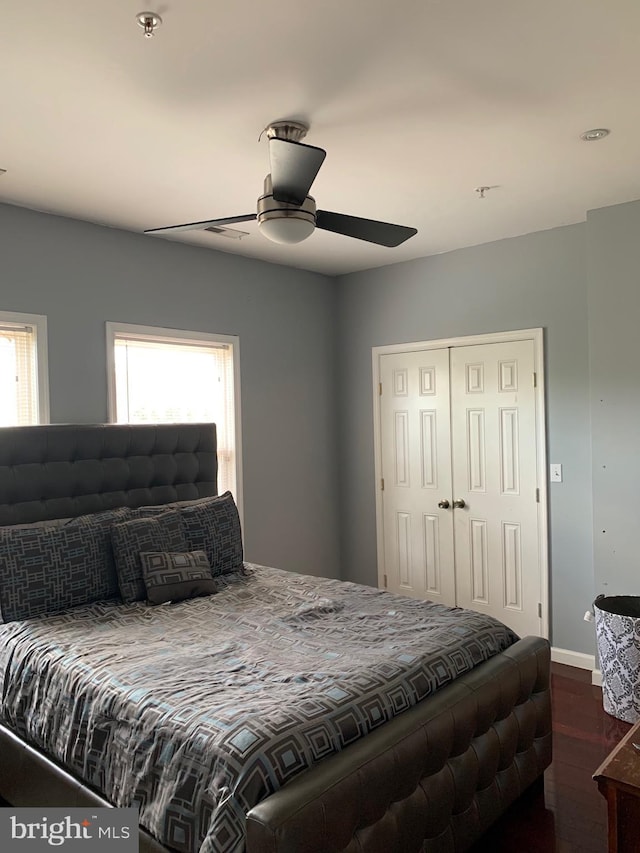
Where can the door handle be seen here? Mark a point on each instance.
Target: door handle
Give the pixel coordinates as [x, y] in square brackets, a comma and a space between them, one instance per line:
[444, 504]
[459, 504]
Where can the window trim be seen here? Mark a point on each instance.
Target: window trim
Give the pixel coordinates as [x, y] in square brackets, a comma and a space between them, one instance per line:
[164, 335]
[39, 322]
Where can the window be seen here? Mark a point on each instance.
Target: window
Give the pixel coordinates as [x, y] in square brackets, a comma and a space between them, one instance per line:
[172, 376]
[24, 389]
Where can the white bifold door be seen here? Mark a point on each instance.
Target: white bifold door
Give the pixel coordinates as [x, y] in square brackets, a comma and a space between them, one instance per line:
[460, 497]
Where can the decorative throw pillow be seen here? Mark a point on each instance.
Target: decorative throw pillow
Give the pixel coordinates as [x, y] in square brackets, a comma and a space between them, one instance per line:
[48, 569]
[163, 532]
[211, 525]
[174, 577]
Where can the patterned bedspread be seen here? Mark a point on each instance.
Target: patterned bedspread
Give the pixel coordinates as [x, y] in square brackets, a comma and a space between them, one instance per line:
[196, 711]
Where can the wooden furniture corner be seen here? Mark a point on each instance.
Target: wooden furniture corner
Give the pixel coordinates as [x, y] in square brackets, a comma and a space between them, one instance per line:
[618, 779]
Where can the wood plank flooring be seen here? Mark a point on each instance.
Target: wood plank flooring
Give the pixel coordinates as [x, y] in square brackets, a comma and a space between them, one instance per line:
[570, 816]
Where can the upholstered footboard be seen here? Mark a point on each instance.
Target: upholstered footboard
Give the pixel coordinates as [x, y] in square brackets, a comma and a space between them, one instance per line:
[433, 779]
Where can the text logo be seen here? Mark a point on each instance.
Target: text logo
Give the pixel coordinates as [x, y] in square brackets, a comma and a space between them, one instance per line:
[33, 830]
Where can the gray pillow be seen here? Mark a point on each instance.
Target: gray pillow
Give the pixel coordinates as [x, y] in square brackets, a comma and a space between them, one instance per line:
[174, 577]
[163, 532]
[98, 525]
[211, 525]
[47, 569]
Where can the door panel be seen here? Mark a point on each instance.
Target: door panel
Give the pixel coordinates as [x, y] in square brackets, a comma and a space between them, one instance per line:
[416, 465]
[494, 471]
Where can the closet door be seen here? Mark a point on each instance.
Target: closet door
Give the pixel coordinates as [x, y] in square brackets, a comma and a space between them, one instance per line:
[416, 465]
[496, 539]
[461, 521]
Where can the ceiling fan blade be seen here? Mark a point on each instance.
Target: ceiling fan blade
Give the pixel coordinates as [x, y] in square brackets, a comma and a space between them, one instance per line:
[294, 167]
[194, 226]
[382, 233]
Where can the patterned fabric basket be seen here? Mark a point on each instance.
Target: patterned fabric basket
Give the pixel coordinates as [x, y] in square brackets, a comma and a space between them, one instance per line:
[618, 635]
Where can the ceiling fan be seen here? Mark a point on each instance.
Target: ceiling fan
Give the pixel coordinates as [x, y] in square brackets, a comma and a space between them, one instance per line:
[286, 212]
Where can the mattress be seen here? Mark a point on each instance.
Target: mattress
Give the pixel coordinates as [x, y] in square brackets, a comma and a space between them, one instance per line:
[194, 712]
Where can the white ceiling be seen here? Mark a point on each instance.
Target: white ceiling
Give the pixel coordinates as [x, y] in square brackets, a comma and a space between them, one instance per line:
[416, 102]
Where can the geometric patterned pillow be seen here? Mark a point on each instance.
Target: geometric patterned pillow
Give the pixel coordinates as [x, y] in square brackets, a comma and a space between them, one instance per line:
[174, 577]
[98, 525]
[49, 569]
[163, 532]
[211, 525]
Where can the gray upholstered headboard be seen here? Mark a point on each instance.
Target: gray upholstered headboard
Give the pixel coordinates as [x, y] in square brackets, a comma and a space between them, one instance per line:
[64, 470]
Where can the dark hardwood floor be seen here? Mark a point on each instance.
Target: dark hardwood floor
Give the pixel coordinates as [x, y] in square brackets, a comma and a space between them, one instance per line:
[570, 816]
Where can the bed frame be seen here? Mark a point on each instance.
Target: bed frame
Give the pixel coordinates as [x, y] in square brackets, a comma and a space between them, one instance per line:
[432, 779]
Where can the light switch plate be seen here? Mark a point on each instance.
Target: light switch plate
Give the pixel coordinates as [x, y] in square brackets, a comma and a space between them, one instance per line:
[555, 472]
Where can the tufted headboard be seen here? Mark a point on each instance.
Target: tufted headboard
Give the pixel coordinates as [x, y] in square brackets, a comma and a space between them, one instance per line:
[64, 470]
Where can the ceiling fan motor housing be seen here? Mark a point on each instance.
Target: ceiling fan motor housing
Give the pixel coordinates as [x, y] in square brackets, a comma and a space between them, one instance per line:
[282, 222]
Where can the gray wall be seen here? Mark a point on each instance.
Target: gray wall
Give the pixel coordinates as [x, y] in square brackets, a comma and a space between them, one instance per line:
[525, 282]
[305, 344]
[614, 325]
[81, 275]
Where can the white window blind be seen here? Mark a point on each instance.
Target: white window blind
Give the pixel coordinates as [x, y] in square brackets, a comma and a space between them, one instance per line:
[164, 380]
[19, 403]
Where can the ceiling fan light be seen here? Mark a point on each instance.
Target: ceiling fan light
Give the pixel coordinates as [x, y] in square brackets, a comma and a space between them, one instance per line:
[286, 229]
[286, 223]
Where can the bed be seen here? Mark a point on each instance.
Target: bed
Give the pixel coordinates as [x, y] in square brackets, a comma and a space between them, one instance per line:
[425, 757]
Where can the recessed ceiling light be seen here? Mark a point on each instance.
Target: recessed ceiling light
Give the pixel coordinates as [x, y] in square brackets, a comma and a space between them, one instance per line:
[595, 134]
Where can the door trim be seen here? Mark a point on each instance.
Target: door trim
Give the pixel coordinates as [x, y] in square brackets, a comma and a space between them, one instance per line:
[535, 335]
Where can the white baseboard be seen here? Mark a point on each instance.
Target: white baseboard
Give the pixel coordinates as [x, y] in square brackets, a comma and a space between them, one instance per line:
[578, 659]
